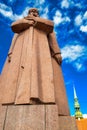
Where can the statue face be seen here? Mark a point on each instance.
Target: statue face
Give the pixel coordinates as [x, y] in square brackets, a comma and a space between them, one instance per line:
[34, 12]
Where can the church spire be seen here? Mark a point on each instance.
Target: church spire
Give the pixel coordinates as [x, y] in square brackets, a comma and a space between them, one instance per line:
[75, 95]
[78, 114]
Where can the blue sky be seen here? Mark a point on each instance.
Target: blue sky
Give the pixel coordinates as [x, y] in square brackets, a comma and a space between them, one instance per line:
[70, 19]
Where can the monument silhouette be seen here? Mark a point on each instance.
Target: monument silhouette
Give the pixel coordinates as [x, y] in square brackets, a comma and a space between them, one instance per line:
[33, 95]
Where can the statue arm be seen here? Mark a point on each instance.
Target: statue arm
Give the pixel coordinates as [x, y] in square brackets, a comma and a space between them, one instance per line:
[21, 25]
[37, 22]
[42, 24]
[55, 50]
[45, 25]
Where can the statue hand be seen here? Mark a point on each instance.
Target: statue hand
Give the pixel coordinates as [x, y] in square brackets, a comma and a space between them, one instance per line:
[9, 56]
[59, 58]
[29, 21]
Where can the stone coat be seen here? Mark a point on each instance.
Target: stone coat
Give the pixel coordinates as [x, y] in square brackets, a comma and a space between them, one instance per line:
[33, 76]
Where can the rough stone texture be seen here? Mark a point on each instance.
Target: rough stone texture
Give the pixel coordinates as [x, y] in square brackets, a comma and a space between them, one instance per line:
[23, 91]
[30, 75]
[3, 78]
[25, 118]
[29, 117]
[40, 23]
[34, 117]
[67, 123]
[60, 93]
[10, 85]
[34, 75]
[3, 110]
[52, 120]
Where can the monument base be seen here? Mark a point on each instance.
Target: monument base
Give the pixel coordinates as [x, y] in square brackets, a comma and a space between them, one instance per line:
[67, 123]
[34, 117]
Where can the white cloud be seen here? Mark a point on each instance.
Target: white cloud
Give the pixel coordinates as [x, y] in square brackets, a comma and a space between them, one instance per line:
[45, 14]
[10, 15]
[59, 19]
[75, 55]
[85, 15]
[84, 115]
[65, 4]
[6, 11]
[72, 52]
[40, 1]
[78, 5]
[10, 0]
[79, 66]
[83, 28]
[78, 20]
[58, 13]
[25, 12]
[5, 7]
[66, 19]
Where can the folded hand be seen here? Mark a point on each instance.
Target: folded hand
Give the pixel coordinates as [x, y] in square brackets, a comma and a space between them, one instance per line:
[29, 21]
[59, 58]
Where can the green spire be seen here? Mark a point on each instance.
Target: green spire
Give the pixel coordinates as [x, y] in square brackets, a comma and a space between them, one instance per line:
[78, 114]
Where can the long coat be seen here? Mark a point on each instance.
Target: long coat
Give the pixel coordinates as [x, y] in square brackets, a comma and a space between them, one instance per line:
[33, 76]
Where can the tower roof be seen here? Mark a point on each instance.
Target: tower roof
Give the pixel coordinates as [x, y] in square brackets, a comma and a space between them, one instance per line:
[78, 113]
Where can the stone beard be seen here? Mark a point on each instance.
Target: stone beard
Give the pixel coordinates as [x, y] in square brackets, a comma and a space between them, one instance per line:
[32, 72]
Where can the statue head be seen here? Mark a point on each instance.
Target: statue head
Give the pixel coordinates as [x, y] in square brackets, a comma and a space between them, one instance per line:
[34, 12]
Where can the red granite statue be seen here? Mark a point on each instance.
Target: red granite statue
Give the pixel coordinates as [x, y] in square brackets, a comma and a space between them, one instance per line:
[32, 72]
